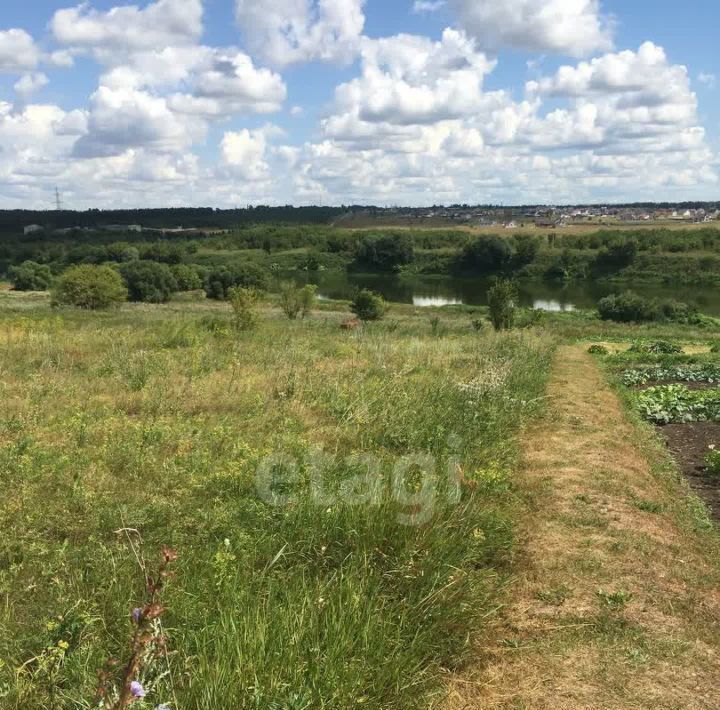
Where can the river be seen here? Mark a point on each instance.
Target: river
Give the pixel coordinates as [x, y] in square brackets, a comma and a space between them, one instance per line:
[426, 291]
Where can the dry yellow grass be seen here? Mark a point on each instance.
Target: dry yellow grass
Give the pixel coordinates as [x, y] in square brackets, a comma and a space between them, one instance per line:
[615, 607]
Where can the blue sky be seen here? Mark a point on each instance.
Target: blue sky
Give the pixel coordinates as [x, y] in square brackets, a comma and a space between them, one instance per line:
[232, 102]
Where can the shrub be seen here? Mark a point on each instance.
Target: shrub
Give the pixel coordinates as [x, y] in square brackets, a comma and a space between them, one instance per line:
[487, 255]
[296, 301]
[656, 347]
[712, 461]
[90, 286]
[627, 307]
[526, 251]
[616, 256]
[598, 350]
[187, 277]
[244, 302]
[677, 312]
[384, 252]
[368, 305]
[478, 324]
[221, 279]
[502, 301]
[31, 276]
[148, 281]
[308, 299]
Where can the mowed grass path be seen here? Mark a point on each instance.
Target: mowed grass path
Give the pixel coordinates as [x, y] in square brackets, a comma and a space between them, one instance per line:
[617, 605]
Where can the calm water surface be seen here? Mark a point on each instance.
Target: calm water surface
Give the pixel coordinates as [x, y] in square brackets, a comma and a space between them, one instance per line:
[448, 290]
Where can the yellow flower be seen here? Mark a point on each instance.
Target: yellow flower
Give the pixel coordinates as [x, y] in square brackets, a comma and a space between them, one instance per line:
[64, 645]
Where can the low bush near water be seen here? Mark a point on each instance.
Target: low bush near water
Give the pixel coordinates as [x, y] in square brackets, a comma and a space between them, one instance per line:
[628, 307]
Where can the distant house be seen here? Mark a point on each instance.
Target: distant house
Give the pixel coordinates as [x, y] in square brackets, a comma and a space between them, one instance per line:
[546, 221]
[33, 229]
[122, 228]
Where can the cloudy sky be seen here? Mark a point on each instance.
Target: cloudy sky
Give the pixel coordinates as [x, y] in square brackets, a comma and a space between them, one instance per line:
[233, 102]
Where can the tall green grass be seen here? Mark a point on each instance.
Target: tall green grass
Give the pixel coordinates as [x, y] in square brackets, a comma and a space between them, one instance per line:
[149, 426]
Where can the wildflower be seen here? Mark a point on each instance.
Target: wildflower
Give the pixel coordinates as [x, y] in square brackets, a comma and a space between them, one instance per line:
[137, 615]
[64, 645]
[137, 690]
[163, 707]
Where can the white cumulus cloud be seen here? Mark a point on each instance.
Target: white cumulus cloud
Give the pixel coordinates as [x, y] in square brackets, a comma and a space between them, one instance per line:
[285, 32]
[126, 27]
[18, 52]
[574, 27]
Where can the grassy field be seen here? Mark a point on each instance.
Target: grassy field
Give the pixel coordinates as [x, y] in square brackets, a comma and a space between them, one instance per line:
[343, 503]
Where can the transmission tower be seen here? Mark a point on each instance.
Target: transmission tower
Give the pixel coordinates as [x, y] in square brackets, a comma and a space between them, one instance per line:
[58, 200]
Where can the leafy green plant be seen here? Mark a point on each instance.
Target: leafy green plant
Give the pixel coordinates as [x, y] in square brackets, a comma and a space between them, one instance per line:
[243, 302]
[89, 286]
[655, 347]
[704, 372]
[613, 600]
[598, 350]
[148, 281]
[30, 276]
[502, 302]
[712, 461]
[668, 404]
[368, 306]
[295, 300]
[221, 279]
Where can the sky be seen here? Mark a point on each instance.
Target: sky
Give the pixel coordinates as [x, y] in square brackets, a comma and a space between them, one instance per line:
[226, 103]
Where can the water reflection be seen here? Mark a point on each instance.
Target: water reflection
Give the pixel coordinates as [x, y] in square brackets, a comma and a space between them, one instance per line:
[436, 301]
[427, 291]
[540, 304]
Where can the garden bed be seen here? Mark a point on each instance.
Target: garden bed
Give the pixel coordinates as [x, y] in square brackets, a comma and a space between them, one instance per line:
[689, 385]
[689, 445]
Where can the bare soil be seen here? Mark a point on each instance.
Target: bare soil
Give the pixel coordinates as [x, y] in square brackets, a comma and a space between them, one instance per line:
[689, 444]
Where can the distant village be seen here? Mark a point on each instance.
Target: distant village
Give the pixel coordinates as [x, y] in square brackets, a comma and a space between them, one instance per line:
[498, 217]
[555, 217]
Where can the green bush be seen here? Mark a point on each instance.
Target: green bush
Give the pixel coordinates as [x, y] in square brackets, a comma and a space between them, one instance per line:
[368, 305]
[712, 461]
[487, 255]
[221, 279]
[31, 276]
[296, 301]
[502, 302]
[598, 350]
[616, 256]
[148, 281]
[627, 307]
[90, 286]
[384, 252]
[187, 277]
[244, 302]
[656, 347]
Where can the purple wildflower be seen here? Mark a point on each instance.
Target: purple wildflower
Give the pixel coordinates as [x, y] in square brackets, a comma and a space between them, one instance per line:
[137, 615]
[137, 690]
